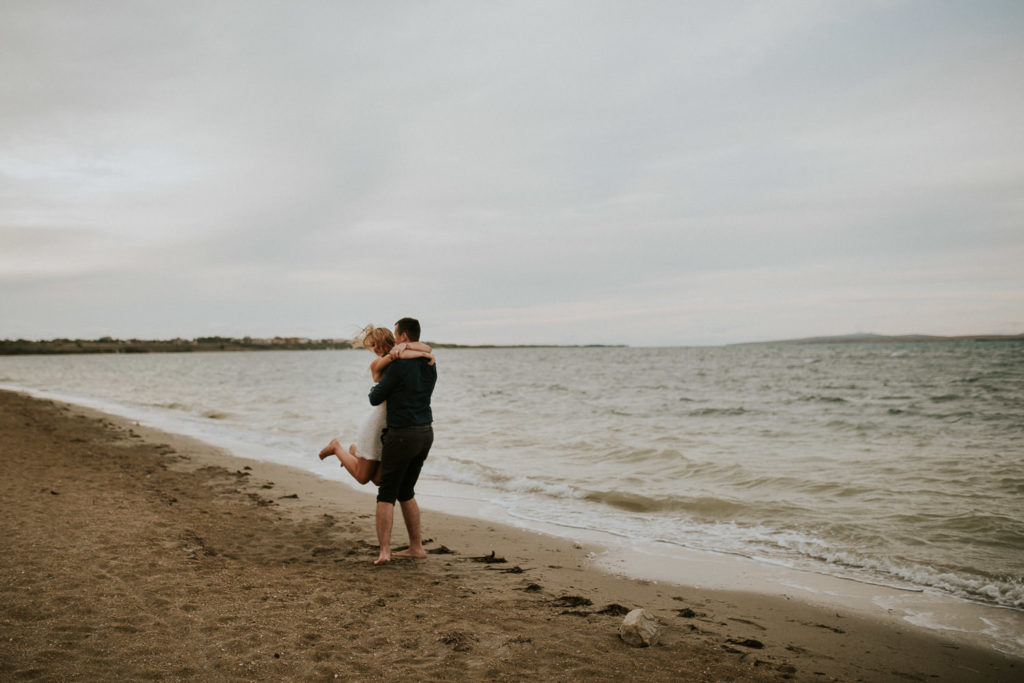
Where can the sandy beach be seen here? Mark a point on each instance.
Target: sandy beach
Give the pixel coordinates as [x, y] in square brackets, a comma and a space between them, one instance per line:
[135, 554]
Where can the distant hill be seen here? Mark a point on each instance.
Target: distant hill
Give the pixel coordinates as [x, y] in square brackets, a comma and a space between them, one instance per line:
[870, 338]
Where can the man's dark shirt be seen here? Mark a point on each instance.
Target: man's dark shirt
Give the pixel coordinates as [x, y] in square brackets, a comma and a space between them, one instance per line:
[406, 385]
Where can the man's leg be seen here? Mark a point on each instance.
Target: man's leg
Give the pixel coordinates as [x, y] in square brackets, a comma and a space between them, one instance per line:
[407, 498]
[394, 461]
[402, 457]
[411, 515]
[385, 519]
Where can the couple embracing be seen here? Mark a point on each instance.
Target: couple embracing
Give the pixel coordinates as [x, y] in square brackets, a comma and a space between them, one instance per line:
[395, 437]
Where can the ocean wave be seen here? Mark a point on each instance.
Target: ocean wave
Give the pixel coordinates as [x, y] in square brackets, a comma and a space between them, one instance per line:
[1003, 591]
[472, 473]
[788, 547]
[952, 417]
[709, 507]
[996, 529]
[822, 399]
[847, 426]
[1012, 485]
[169, 405]
[635, 456]
[712, 412]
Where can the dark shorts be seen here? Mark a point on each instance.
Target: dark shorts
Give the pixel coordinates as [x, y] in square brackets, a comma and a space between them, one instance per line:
[405, 449]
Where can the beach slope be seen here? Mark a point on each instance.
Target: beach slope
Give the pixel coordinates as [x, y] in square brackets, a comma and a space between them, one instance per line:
[134, 554]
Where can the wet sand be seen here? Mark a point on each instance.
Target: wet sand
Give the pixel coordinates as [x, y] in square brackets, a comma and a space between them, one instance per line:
[135, 554]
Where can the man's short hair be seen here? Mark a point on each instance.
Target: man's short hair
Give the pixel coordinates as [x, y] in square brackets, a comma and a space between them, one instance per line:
[410, 326]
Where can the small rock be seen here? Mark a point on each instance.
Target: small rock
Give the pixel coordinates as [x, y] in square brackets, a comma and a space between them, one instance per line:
[639, 628]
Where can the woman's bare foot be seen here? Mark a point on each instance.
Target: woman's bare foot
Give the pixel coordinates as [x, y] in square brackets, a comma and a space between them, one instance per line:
[331, 449]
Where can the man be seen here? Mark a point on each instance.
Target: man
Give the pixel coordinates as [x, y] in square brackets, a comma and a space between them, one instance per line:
[406, 385]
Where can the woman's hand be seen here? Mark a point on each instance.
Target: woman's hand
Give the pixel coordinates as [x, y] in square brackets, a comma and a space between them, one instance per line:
[397, 349]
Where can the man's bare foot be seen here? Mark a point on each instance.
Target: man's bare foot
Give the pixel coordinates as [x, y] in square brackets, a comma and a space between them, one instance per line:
[384, 558]
[331, 449]
[418, 554]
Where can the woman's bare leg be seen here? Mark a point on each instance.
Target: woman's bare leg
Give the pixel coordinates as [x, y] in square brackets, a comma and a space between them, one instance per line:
[361, 469]
[330, 449]
[371, 468]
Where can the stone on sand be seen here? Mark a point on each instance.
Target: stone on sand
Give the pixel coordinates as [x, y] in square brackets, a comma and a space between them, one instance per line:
[639, 628]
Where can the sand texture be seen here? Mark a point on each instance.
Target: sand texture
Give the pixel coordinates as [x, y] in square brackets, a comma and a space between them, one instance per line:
[135, 555]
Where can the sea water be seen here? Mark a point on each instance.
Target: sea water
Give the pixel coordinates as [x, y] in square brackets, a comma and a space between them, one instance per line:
[898, 464]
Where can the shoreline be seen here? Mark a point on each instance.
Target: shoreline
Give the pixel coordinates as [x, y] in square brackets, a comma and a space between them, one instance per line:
[963, 621]
[226, 528]
[979, 624]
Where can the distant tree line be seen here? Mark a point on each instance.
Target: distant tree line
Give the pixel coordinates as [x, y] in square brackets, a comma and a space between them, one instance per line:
[215, 343]
[199, 344]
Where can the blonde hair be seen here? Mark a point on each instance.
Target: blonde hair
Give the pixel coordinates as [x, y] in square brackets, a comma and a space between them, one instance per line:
[370, 337]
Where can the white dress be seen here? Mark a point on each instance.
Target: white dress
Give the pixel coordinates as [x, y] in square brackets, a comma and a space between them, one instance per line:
[368, 438]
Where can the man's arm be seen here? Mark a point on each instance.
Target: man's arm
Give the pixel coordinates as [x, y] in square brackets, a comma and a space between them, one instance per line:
[380, 392]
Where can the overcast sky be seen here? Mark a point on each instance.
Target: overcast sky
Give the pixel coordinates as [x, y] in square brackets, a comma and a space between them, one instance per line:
[648, 173]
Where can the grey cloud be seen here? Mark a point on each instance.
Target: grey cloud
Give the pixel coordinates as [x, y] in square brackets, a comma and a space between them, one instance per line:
[270, 161]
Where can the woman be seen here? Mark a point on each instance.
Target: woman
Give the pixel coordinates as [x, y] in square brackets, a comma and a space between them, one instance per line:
[362, 459]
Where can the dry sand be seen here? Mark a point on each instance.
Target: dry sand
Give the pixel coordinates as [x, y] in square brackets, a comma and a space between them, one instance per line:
[134, 554]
